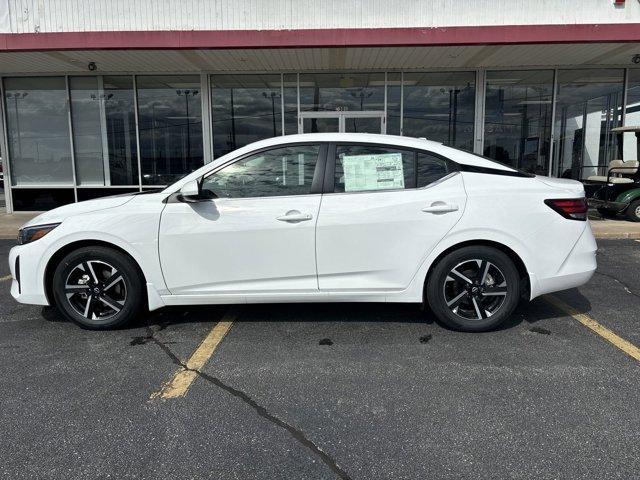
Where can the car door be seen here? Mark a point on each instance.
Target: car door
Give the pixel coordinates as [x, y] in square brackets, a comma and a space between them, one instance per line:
[258, 236]
[389, 208]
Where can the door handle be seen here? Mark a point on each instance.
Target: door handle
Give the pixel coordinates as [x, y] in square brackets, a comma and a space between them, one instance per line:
[294, 216]
[440, 207]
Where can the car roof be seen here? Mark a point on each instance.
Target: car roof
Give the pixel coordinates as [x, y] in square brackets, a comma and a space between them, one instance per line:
[457, 155]
[411, 142]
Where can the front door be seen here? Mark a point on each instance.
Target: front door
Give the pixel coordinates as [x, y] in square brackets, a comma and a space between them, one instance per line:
[389, 208]
[342, 121]
[258, 236]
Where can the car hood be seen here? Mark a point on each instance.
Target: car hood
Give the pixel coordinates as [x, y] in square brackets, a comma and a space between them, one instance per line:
[57, 215]
[572, 186]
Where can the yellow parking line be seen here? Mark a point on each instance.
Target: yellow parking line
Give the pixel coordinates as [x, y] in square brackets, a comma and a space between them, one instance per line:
[624, 345]
[183, 378]
[4, 279]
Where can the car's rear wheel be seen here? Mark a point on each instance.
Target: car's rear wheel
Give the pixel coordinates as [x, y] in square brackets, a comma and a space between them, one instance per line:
[473, 289]
[98, 288]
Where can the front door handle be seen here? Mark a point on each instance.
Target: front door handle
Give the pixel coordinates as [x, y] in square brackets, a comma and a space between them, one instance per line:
[294, 216]
[440, 207]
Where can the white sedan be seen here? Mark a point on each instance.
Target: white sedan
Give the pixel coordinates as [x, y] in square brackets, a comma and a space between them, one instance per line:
[316, 218]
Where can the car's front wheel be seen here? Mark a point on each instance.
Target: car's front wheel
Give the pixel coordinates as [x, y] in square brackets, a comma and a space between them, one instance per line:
[98, 288]
[473, 289]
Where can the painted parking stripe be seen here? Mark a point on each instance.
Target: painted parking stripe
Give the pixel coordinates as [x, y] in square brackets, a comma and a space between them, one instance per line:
[5, 278]
[624, 345]
[183, 378]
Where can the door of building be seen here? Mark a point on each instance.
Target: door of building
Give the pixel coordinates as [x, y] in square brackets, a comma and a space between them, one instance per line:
[351, 122]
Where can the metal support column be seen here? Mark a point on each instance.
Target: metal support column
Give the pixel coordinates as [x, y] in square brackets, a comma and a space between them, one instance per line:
[4, 142]
[478, 127]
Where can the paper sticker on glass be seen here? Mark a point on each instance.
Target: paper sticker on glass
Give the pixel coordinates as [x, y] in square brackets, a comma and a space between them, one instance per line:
[373, 172]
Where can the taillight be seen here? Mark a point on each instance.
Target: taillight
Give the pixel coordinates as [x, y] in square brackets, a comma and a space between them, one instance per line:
[571, 208]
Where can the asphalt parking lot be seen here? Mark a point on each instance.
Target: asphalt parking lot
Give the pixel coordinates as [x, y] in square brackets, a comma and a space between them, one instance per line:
[326, 391]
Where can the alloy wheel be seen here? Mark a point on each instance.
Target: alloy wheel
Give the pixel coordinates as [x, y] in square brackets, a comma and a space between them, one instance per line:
[95, 290]
[475, 289]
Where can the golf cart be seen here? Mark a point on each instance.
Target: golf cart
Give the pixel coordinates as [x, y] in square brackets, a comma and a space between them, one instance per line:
[619, 190]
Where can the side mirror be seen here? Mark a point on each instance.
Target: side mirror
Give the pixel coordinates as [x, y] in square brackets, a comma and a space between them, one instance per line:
[191, 193]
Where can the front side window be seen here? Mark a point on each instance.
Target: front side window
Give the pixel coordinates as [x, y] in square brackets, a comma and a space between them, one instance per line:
[278, 172]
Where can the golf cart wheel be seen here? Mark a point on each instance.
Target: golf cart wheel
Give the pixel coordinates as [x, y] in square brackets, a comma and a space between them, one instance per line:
[633, 211]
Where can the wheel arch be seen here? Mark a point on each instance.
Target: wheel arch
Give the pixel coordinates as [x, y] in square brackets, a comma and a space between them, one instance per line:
[70, 247]
[525, 287]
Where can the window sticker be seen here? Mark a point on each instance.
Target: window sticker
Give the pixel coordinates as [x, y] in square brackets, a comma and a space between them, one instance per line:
[373, 172]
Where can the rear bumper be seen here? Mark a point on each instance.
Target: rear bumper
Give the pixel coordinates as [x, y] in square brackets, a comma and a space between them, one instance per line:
[576, 270]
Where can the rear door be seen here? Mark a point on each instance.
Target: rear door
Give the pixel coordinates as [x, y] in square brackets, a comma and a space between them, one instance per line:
[384, 209]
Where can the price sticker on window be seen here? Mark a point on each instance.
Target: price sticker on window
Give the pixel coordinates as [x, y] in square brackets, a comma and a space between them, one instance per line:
[373, 172]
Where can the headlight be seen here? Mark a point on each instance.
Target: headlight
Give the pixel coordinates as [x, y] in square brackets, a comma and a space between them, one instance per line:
[31, 234]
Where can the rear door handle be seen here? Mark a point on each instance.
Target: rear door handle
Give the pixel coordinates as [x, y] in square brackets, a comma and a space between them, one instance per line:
[440, 207]
[294, 216]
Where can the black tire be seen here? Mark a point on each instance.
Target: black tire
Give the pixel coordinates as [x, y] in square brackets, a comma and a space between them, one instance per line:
[633, 211]
[455, 302]
[111, 301]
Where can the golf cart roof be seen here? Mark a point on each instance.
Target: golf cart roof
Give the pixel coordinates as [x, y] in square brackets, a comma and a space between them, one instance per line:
[629, 128]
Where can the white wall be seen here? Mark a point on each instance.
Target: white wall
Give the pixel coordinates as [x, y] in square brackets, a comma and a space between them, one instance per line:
[28, 16]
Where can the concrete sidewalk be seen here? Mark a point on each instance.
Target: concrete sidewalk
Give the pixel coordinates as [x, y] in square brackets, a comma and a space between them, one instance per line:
[10, 223]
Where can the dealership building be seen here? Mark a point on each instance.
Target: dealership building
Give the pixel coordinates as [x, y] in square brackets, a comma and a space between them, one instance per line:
[112, 96]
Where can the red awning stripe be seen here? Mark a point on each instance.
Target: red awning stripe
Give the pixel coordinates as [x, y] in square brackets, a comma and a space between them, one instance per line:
[323, 38]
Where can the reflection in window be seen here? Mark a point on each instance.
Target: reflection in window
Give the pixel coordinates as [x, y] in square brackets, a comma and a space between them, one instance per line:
[245, 109]
[277, 172]
[440, 107]
[104, 137]
[330, 92]
[517, 125]
[170, 121]
[588, 107]
[38, 131]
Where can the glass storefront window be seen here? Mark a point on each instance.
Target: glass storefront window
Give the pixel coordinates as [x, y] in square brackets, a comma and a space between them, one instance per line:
[244, 109]
[440, 107]
[588, 106]
[104, 136]
[38, 131]
[170, 127]
[517, 122]
[331, 92]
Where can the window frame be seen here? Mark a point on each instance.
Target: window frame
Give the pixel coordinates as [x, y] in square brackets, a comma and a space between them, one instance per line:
[329, 175]
[318, 172]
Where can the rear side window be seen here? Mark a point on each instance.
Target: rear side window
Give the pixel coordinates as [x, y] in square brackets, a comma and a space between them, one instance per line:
[361, 168]
[372, 168]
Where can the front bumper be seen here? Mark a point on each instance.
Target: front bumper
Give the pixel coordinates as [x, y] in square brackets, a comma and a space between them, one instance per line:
[28, 269]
